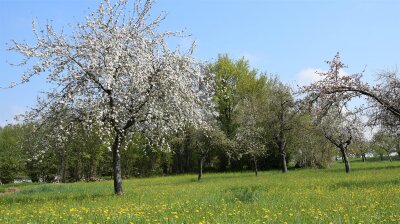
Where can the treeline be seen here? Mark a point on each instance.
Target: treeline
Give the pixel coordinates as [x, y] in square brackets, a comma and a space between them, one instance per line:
[257, 126]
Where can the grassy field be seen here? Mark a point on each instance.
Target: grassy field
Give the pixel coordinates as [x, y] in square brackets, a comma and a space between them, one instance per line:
[369, 194]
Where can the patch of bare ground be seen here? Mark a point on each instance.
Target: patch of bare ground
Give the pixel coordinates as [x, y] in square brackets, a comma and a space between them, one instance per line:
[10, 190]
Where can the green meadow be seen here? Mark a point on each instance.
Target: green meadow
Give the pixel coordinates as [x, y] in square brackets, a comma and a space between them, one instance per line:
[370, 193]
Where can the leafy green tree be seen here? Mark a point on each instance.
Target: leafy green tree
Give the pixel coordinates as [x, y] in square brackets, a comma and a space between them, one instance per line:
[282, 118]
[77, 155]
[360, 147]
[85, 150]
[144, 159]
[11, 153]
[228, 77]
[396, 142]
[251, 118]
[250, 135]
[382, 143]
[183, 154]
[235, 81]
[196, 149]
[206, 141]
[310, 146]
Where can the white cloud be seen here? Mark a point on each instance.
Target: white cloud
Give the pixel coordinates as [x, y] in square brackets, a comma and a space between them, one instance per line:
[309, 75]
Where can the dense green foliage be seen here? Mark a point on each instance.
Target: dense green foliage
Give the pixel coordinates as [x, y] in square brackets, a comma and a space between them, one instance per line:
[370, 194]
[11, 153]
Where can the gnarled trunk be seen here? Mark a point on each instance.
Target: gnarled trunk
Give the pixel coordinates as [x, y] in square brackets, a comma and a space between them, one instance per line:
[117, 173]
[345, 160]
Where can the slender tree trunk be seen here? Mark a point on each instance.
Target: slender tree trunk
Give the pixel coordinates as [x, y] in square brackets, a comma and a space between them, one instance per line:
[284, 165]
[180, 163]
[201, 162]
[117, 173]
[93, 169]
[363, 157]
[282, 152]
[186, 154]
[282, 140]
[63, 168]
[79, 168]
[255, 165]
[390, 158]
[381, 155]
[345, 160]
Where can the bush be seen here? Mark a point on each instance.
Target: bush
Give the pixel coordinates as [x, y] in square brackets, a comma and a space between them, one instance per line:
[7, 172]
[246, 194]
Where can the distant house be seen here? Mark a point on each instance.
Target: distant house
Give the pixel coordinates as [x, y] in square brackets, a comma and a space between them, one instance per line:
[19, 180]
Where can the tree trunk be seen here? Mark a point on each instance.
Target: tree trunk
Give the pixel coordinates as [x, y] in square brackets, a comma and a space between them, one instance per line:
[255, 165]
[117, 173]
[284, 166]
[201, 162]
[281, 145]
[63, 169]
[381, 155]
[79, 165]
[363, 157]
[390, 158]
[345, 160]
[93, 169]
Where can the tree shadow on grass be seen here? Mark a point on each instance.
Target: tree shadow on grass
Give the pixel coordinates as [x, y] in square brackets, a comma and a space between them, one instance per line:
[356, 169]
[19, 198]
[375, 159]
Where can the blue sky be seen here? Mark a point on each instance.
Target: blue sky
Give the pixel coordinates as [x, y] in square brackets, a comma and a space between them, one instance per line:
[288, 38]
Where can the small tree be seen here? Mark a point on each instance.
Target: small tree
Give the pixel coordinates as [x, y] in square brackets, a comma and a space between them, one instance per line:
[330, 97]
[115, 72]
[397, 143]
[206, 140]
[340, 128]
[283, 118]
[310, 146]
[382, 143]
[361, 147]
[250, 135]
